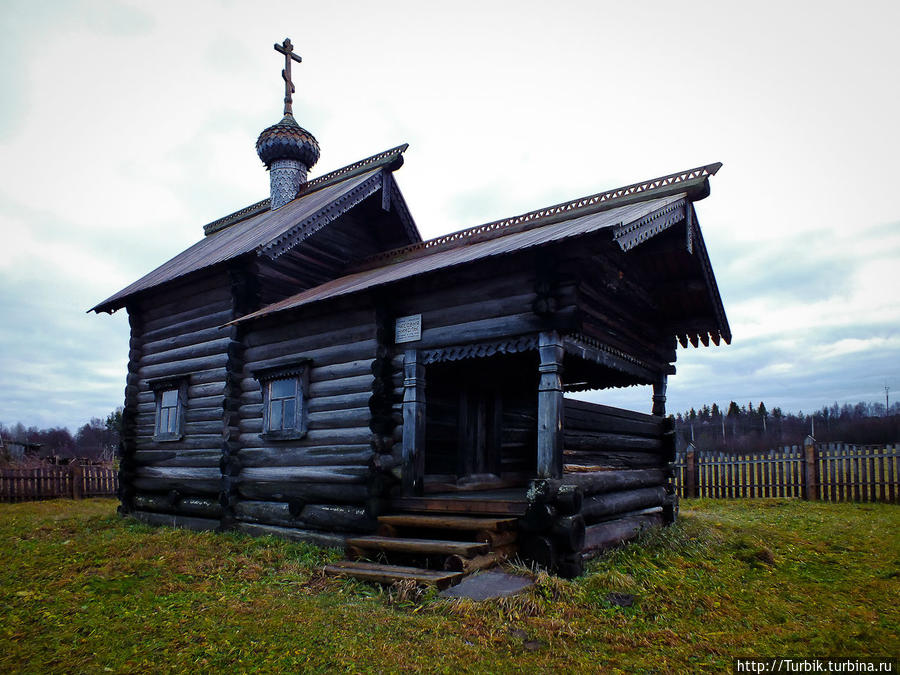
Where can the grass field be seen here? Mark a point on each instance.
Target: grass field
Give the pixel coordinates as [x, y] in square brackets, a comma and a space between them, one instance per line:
[82, 590]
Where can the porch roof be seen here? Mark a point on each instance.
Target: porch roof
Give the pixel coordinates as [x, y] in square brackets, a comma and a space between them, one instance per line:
[464, 252]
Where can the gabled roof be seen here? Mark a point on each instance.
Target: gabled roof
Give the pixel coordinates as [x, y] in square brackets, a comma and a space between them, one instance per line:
[632, 214]
[265, 232]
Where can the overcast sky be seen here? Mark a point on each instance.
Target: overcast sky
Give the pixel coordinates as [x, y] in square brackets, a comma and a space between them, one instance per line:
[125, 126]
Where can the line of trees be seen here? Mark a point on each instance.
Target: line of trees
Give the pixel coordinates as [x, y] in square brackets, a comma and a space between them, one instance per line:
[754, 427]
[96, 440]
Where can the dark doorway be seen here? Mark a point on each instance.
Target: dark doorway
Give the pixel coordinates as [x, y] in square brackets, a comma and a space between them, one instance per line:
[481, 422]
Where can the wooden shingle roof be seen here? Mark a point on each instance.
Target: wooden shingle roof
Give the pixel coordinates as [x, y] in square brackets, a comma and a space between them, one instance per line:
[261, 230]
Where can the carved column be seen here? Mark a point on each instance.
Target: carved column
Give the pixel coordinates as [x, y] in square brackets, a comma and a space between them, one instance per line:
[413, 423]
[550, 406]
[659, 395]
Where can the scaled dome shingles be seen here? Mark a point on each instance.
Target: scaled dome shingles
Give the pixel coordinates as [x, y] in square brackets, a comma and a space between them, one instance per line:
[287, 140]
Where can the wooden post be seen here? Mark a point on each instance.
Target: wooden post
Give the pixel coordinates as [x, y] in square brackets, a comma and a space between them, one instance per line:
[550, 407]
[413, 424]
[77, 472]
[659, 395]
[690, 472]
[811, 466]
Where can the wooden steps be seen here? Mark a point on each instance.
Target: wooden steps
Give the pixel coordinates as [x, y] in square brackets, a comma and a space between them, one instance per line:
[433, 547]
[423, 546]
[450, 522]
[389, 574]
[453, 504]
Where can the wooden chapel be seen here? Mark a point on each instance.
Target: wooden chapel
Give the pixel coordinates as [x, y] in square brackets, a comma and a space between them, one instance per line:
[312, 369]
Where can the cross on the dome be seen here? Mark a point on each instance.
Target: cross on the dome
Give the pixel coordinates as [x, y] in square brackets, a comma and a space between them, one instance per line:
[287, 49]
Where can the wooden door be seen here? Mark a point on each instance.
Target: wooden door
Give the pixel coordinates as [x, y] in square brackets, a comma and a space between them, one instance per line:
[480, 433]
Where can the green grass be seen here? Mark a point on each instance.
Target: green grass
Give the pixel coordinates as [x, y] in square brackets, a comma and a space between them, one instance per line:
[82, 590]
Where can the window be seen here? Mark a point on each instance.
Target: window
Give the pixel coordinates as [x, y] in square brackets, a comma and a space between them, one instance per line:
[170, 398]
[284, 402]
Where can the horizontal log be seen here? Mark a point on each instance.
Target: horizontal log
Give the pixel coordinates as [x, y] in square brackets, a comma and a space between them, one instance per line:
[609, 459]
[181, 368]
[339, 402]
[157, 502]
[328, 517]
[306, 474]
[199, 506]
[582, 421]
[185, 458]
[339, 419]
[185, 522]
[340, 370]
[464, 309]
[606, 535]
[342, 385]
[316, 493]
[328, 455]
[545, 490]
[189, 352]
[183, 340]
[318, 437]
[204, 442]
[185, 480]
[497, 327]
[574, 406]
[196, 294]
[160, 330]
[328, 354]
[574, 439]
[154, 319]
[440, 295]
[324, 539]
[597, 507]
[285, 331]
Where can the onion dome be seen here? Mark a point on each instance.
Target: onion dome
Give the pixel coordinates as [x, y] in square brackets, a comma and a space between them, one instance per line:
[287, 140]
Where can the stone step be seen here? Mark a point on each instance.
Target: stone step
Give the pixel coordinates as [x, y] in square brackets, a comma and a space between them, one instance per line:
[466, 549]
[448, 522]
[388, 574]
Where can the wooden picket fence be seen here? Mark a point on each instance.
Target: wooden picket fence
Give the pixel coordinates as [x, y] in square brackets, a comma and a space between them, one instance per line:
[51, 482]
[826, 471]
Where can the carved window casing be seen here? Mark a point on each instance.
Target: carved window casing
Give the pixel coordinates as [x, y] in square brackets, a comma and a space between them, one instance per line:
[285, 393]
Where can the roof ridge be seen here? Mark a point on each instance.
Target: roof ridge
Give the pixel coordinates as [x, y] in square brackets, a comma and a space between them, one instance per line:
[655, 187]
[387, 157]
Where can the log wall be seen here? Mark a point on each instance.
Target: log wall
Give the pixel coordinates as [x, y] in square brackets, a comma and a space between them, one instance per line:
[176, 334]
[324, 483]
[618, 482]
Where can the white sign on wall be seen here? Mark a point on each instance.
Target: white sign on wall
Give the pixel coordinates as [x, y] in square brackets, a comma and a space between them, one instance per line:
[408, 328]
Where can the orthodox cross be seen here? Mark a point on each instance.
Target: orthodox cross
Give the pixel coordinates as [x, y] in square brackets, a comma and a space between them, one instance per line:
[287, 49]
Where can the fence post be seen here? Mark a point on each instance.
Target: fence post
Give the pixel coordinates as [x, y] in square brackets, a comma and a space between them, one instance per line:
[76, 472]
[690, 473]
[811, 466]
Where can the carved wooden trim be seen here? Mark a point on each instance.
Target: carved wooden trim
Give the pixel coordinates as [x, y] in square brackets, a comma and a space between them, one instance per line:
[594, 350]
[479, 350]
[632, 234]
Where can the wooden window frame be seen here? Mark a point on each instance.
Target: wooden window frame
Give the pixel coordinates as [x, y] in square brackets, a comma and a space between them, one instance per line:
[159, 387]
[299, 373]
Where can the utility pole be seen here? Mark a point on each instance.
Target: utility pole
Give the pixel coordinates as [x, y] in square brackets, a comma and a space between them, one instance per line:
[887, 405]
